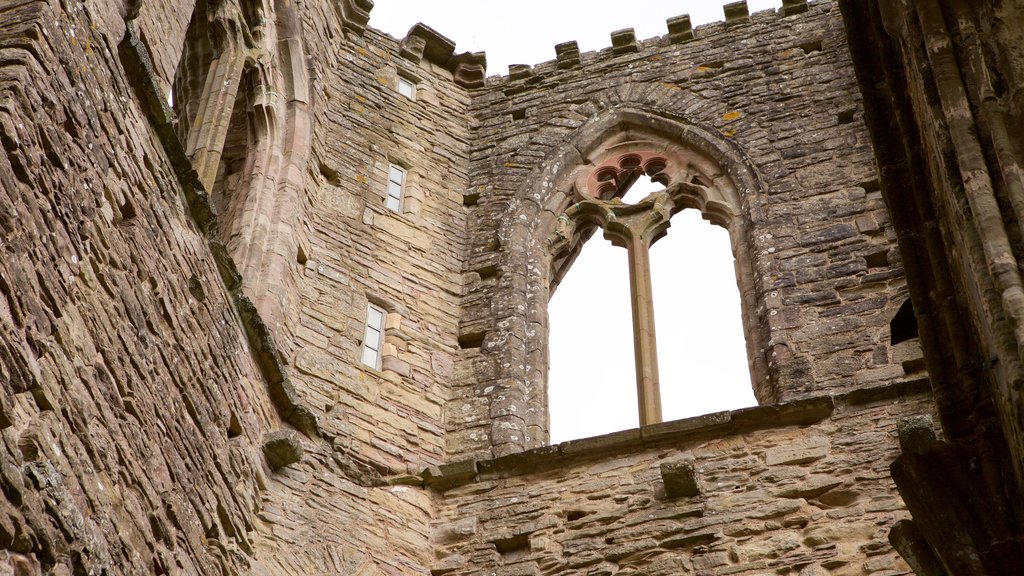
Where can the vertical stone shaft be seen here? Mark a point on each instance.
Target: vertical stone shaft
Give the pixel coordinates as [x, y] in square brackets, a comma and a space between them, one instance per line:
[645, 348]
[208, 134]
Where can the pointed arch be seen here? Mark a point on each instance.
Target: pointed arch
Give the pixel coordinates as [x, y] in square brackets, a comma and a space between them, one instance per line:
[701, 169]
[241, 95]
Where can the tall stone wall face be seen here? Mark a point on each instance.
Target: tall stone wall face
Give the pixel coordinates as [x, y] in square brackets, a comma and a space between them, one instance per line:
[779, 103]
[130, 405]
[360, 252]
[944, 99]
[145, 429]
[809, 500]
[134, 408]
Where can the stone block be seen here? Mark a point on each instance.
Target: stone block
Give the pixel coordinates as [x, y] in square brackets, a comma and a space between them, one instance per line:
[791, 7]
[680, 29]
[736, 12]
[917, 434]
[567, 54]
[282, 448]
[681, 479]
[447, 476]
[624, 41]
[801, 451]
[519, 71]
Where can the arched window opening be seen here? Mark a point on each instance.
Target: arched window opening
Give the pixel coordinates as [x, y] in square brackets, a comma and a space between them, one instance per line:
[632, 186]
[701, 347]
[591, 370]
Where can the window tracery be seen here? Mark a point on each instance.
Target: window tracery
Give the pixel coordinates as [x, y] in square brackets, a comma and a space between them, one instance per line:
[690, 181]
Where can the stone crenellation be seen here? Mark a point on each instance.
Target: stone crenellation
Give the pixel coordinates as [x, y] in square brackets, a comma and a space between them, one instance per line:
[274, 285]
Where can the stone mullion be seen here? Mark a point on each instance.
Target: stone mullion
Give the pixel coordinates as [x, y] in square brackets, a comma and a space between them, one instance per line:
[645, 346]
[210, 130]
[633, 229]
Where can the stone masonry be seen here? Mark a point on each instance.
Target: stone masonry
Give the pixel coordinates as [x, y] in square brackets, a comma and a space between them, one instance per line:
[194, 228]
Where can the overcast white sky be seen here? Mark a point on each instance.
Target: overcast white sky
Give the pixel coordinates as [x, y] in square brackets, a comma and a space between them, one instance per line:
[592, 384]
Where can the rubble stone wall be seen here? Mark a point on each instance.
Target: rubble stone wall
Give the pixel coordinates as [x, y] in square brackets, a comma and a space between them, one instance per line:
[768, 498]
[776, 95]
[358, 252]
[153, 421]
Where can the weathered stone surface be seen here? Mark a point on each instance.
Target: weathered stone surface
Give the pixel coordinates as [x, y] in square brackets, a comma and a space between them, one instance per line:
[282, 448]
[193, 225]
[680, 478]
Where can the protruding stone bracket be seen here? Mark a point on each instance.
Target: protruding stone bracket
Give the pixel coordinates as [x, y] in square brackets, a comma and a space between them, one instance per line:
[791, 7]
[568, 55]
[282, 448]
[681, 479]
[422, 41]
[917, 434]
[354, 14]
[680, 29]
[736, 13]
[624, 41]
[448, 476]
[469, 69]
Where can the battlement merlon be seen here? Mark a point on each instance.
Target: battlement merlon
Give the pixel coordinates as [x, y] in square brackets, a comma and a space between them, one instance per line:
[424, 43]
[469, 69]
[354, 14]
[624, 41]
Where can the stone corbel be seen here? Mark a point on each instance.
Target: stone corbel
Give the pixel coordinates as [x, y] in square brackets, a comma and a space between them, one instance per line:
[422, 41]
[354, 14]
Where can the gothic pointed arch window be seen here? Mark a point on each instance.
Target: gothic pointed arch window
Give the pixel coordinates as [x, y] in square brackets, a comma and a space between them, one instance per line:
[603, 197]
[242, 116]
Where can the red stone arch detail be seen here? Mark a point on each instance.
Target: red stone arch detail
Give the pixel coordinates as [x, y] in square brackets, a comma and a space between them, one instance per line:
[617, 173]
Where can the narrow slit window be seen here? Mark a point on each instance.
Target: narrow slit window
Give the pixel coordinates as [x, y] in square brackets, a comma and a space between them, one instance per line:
[407, 88]
[373, 339]
[396, 182]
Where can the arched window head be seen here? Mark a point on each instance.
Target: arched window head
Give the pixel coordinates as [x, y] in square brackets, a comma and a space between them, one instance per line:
[691, 179]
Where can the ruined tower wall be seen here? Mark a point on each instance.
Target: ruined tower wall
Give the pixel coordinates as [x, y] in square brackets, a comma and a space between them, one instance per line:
[136, 402]
[360, 252]
[155, 419]
[778, 104]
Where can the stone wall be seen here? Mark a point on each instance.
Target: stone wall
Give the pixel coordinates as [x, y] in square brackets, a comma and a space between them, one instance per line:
[944, 101]
[132, 408]
[756, 491]
[158, 416]
[358, 252]
[774, 100]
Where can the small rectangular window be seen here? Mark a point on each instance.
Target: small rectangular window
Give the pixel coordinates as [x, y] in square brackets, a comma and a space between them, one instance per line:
[407, 88]
[373, 339]
[396, 183]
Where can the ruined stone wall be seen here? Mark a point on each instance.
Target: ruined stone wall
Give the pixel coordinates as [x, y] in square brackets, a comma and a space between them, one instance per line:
[756, 491]
[775, 101]
[151, 423]
[943, 99]
[132, 409]
[358, 251]
[135, 401]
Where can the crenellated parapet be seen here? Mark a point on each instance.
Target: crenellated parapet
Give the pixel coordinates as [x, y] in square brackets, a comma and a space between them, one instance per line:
[680, 30]
[423, 43]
